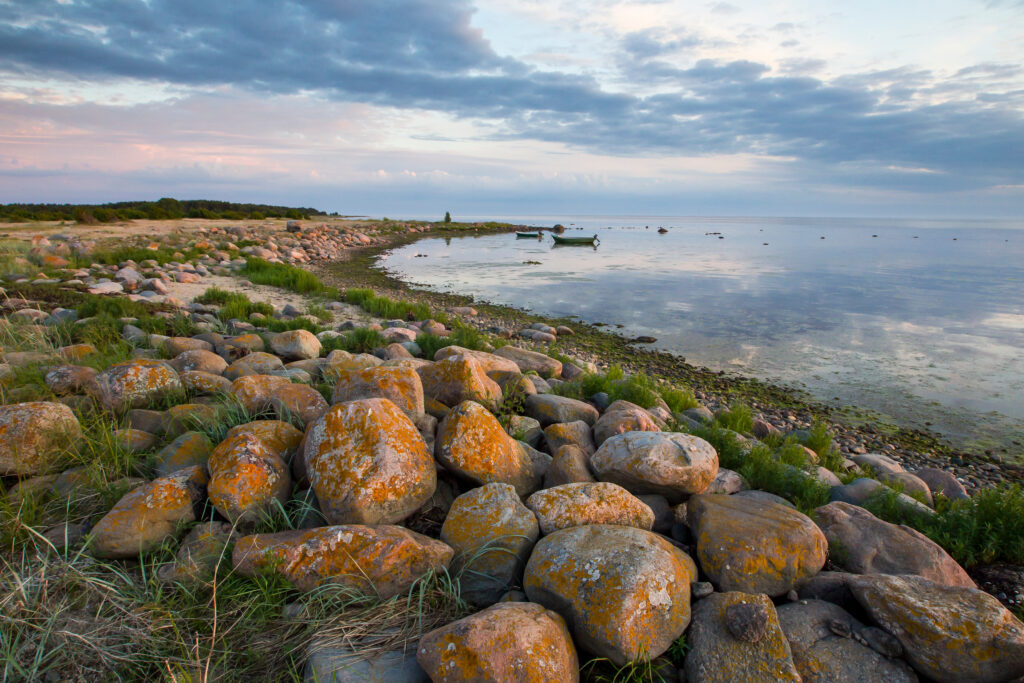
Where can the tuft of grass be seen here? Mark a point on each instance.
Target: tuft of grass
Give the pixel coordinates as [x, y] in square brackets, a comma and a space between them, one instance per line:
[233, 305]
[320, 313]
[738, 418]
[360, 340]
[384, 307]
[430, 344]
[285, 276]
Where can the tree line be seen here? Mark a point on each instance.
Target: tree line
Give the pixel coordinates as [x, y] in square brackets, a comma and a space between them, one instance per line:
[163, 209]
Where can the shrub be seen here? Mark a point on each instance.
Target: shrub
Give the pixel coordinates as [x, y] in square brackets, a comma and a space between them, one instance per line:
[737, 418]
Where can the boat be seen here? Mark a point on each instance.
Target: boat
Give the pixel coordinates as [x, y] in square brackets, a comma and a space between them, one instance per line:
[531, 235]
[576, 240]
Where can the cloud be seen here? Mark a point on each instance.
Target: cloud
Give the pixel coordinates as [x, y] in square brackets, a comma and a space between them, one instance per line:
[426, 55]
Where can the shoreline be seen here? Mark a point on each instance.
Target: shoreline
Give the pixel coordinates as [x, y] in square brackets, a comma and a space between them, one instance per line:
[359, 268]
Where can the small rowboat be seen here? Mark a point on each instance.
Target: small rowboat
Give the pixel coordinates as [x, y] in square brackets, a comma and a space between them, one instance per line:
[576, 240]
[531, 235]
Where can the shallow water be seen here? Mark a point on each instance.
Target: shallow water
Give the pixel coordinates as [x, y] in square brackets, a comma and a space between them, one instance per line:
[922, 321]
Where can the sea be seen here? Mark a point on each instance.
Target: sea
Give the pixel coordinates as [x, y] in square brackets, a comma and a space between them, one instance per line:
[920, 322]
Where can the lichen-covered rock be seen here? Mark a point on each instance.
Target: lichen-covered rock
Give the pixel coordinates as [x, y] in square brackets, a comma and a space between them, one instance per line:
[149, 514]
[299, 402]
[135, 440]
[254, 392]
[456, 379]
[199, 554]
[907, 482]
[188, 416]
[472, 444]
[570, 433]
[399, 384]
[76, 352]
[671, 464]
[383, 560]
[754, 546]
[717, 656]
[280, 438]
[70, 379]
[588, 503]
[174, 346]
[199, 360]
[296, 345]
[246, 478]
[551, 408]
[256, 363]
[135, 383]
[204, 383]
[569, 466]
[528, 361]
[492, 533]
[624, 592]
[948, 633]
[339, 362]
[235, 347]
[861, 543]
[368, 464]
[824, 641]
[622, 417]
[487, 361]
[512, 641]
[191, 448]
[35, 437]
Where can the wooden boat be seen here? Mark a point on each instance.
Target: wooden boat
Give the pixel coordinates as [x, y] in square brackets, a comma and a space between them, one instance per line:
[576, 240]
[531, 235]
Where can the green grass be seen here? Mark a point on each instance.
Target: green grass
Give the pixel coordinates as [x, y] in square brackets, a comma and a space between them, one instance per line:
[639, 389]
[285, 276]
[360, 340]
[737, 418]
[320, 313]
[233, 305]
[383, 307]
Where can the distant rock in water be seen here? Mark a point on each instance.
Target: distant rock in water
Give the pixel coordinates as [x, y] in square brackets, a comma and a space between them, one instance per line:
[643, 340]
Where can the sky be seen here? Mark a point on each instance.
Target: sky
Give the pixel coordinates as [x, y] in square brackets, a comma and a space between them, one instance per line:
[519, 107]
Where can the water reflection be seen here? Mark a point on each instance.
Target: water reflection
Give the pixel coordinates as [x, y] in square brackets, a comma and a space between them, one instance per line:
[877, 312]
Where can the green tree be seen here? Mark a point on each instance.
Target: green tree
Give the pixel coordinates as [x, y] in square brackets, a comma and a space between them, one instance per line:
[447, 217]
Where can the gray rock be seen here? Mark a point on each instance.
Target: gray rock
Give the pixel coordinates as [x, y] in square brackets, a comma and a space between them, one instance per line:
[878, 462]
[747, 621]
[336, 660]
[940, 481]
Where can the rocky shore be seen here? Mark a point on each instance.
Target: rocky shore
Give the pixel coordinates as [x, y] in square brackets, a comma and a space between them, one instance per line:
[217, 466]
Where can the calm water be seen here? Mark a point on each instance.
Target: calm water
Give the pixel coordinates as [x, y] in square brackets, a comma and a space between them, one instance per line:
[922, 321]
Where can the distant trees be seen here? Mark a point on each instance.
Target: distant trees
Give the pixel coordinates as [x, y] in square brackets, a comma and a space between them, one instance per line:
[447, 217]
[162, 209]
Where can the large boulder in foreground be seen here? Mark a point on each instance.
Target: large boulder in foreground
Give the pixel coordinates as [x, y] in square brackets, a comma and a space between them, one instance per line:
[383, 560]
[368, 464]
[826, 644]
[861, 543]
[512, 641]
[736, 637]
[670, 464]
[487, 361]
[148, 514]
[492, 533]
[624, 592]
[34, 437]
[135, 383]
[584, 503]
[754, 546]
[456, 379]
[472, 444]
[948, 633]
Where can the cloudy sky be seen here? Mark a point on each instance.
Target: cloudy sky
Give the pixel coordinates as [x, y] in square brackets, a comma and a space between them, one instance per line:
[512, 107]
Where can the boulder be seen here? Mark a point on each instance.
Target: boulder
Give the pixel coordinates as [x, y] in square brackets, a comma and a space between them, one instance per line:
[942, 482]
[368, 464]
[622, 417]
[382, 560]
[860, 491]
[174, 346]
[399, 384]
[205, 383]
[247, 479]
[70, 379]
[339, 362]
[136, 383]
[728, 482]
[624, 592]
[300, 403]
[492, 533]
[277, 437]
[295, 345]
[512, 641]
[199, 360]
[188, 416]
[189, 449]
[949, 633]
[717, 655]
[36, 437]
[531, 361]
[472, 444]
[253, 392]
[135, 440]
[861, 543]
[149, 514]
[255, 363]
[671, 464]
[570, 433]
[754, 546]
[878, 463]
[569, 466]
[551, 408]
[824, 641]
[488, 362]
[571, 505]
[335, 658]
[906, 481]
[200, 553]
[459, 378]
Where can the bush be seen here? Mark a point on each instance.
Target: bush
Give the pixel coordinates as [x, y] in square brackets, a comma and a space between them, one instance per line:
[737, 418]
